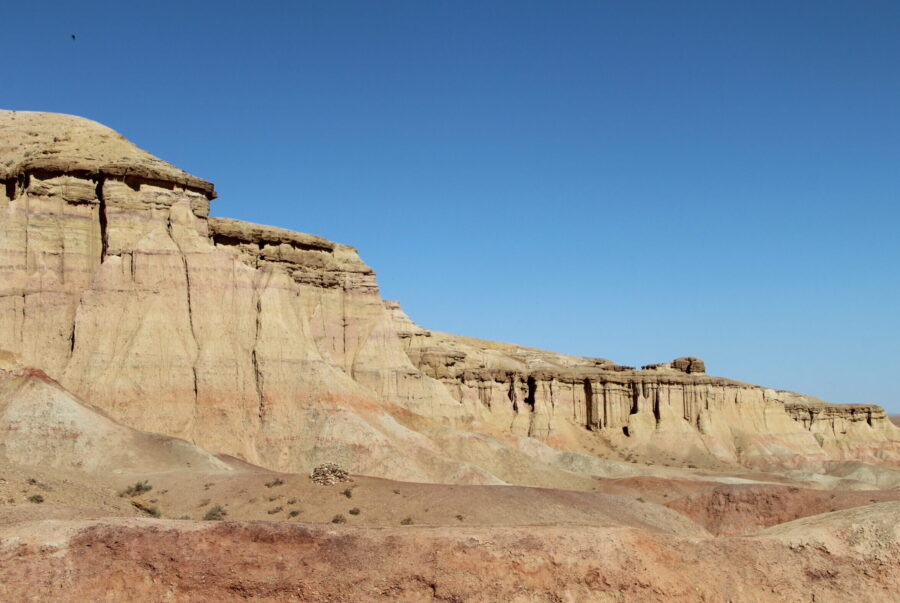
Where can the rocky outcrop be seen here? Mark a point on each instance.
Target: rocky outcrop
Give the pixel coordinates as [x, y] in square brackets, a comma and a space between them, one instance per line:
[277, 347]
[269, 345]
[663, 412]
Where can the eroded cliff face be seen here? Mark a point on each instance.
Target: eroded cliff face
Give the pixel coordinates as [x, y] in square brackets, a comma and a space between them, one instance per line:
[277, 347]
[250, 340]
[662, 412]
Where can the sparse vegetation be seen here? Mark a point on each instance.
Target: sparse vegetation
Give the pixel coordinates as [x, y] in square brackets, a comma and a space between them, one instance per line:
[36, 498]
[215, 513]
[396, 491]
[406, 522]
[348, 492]
[338, 519]
[148, 509]
[292, 501]
[274, 498]
[275, 510]
[275, 482]
[40, 485]
[641, 499]
[136, 488]
[460, 517]
[204, 502]
[354, 511]
[294, 513]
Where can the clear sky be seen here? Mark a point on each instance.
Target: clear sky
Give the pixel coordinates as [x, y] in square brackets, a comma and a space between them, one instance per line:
[630, 180]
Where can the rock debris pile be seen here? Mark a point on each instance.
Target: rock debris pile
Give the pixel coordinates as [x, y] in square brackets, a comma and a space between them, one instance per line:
[329, 474]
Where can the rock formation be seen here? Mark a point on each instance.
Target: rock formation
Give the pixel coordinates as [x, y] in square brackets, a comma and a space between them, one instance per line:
[276, 346]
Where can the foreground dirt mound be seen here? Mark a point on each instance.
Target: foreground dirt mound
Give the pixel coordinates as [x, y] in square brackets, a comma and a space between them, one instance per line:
[848, 558]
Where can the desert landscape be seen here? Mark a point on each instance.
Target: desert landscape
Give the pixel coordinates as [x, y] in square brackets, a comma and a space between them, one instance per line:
[197, 408]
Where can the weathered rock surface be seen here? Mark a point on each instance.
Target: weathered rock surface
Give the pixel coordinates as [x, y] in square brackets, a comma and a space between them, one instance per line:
[670, 411]
[276, 346]
[43, 425]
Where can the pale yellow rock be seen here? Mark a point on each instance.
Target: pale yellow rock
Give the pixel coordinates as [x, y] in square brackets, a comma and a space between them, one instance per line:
[277, 347]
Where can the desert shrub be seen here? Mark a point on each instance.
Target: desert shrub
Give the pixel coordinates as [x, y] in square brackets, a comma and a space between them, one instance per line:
[460, 517]
[338, 519]
[354, 511]
[36, 498]
[348, 492]
[406, 522]
[641, 499]
[136, 488]
[148, 509]
[215, 513]
[275, 482]
[294, 513]
[292, 501]
[275, 510]
[396, 491]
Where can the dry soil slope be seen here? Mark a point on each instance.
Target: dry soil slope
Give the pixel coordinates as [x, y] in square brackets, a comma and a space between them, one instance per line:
[848, 555]
[43, 425]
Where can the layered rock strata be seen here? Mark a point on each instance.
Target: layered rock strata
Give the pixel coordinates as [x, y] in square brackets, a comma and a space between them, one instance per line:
[277, 347]
[663, 411]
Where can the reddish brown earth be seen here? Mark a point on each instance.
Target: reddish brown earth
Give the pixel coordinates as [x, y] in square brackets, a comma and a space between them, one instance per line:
[128, 559]
[736, 510]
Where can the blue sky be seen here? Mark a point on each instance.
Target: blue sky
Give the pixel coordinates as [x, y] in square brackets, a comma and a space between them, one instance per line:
[630, 180]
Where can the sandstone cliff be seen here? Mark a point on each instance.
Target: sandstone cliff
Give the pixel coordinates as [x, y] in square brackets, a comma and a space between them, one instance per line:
[277, 347]
[667, 411]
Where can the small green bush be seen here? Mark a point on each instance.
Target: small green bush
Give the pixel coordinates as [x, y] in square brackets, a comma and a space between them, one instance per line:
[136, 488]
[215, 513]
